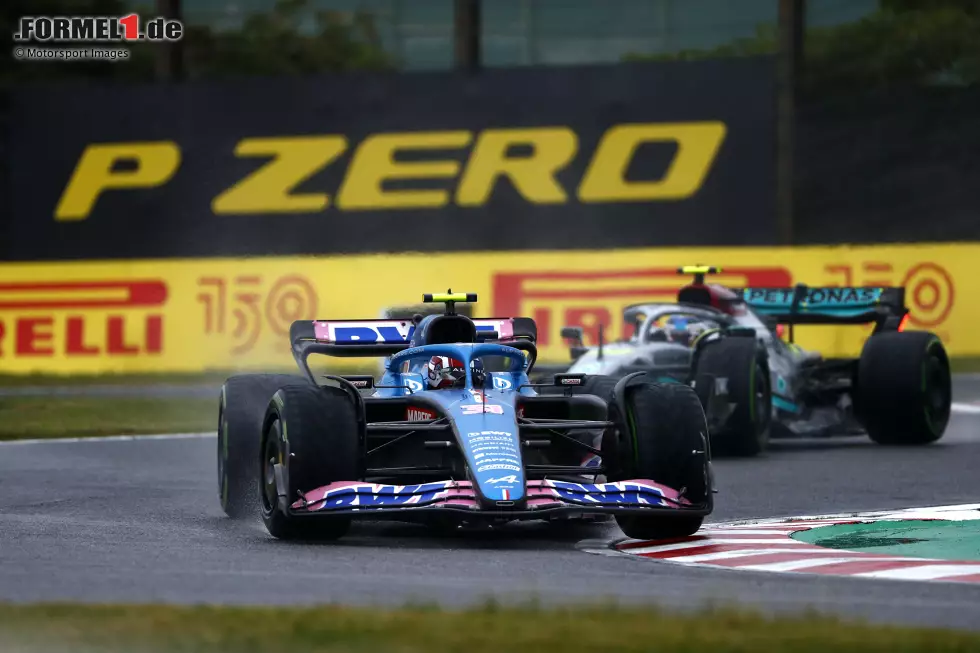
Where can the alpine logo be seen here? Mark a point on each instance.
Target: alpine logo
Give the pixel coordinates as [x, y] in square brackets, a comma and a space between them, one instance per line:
[501, 384]
[413, 385]
[504, 479]
[419, 415]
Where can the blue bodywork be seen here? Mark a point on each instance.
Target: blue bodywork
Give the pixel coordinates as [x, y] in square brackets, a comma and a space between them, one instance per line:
[485, 468]
[485, 419]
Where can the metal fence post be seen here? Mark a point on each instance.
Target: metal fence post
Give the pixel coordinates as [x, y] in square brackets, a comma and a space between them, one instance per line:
[789, 63]
[170, 56]
[467, 34]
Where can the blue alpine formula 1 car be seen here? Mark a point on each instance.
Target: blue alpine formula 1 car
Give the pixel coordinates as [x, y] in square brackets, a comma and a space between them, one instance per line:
[453, 431]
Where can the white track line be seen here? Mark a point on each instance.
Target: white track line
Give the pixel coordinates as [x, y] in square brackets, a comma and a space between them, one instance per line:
[969, 409]
[111, 438]
[956, 512]
[821, 561]
[925, 572]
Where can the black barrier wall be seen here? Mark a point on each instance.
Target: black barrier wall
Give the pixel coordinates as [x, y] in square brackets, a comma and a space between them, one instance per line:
[581, 157]
[891, 166]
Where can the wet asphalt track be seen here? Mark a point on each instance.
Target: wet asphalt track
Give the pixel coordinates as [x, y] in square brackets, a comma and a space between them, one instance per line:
[139, 521]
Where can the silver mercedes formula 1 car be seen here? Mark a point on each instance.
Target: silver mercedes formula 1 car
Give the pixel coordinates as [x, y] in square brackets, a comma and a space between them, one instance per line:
[898, 390]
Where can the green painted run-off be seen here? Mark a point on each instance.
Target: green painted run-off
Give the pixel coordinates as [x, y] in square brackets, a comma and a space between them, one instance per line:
[945, 540]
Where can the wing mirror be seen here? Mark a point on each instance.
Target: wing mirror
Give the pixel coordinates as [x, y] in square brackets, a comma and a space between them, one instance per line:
[576, 335]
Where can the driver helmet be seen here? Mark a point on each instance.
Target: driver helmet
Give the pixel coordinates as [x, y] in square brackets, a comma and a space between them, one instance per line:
[695, 329]
[684, 329]
[658, 334]
[445, 372]
[676, 326]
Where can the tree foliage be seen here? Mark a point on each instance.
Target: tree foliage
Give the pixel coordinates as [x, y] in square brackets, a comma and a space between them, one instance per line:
[275, 43]
[934, 42]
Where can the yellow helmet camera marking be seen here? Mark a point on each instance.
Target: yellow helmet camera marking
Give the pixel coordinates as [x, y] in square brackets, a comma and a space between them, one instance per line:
[698, 269]
[433, 298]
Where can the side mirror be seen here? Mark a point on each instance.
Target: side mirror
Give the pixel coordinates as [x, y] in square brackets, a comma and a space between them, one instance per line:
[576, 335]
[573, 333]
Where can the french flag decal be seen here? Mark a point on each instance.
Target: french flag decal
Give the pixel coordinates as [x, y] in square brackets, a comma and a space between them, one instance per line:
[505, 494]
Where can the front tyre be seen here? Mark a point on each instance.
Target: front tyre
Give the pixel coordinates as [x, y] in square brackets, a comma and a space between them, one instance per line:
[662, 437]
[311, 435]
[241, 408]
[904, 388]
[738, 360]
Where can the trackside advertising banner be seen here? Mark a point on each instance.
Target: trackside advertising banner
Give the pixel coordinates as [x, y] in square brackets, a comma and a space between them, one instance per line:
[189, 315]
[651, 154]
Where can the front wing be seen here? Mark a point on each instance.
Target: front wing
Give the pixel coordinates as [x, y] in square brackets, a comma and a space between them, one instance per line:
[544, 497]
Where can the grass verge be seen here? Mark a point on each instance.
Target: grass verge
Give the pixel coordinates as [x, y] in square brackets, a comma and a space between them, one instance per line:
[58, 417]
[148, 378]
[488, 629]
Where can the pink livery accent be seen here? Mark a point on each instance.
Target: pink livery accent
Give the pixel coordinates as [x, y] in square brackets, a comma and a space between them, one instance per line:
[354, 495]
[392, 331]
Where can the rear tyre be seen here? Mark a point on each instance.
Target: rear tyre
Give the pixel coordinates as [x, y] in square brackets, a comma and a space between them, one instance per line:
[312, 433]
[739, 361]
[244, 398]
[662, 437]
[904, 388]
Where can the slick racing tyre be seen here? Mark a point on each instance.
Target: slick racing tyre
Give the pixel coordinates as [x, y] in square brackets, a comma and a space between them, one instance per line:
[662, 437]
[312, 432]
[904, 389]
[740, 362]
[244, 399]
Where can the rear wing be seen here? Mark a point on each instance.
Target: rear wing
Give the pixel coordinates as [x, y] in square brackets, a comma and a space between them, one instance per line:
[368, 338]
[884, 306]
